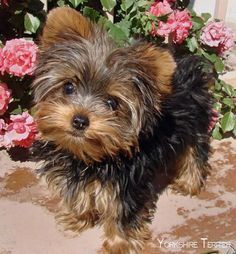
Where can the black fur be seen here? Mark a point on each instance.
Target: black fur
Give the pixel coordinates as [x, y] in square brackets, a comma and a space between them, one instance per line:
[185, 118]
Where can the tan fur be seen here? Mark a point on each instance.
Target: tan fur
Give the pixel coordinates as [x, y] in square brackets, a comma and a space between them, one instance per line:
[64, 20]
[162, 66]
[93, 205]
[102, 137]
[125, 241]
[100, 205]
[190, 177]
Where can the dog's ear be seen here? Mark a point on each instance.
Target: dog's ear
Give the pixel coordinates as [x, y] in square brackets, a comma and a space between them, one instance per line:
[159, 65]
[64, 20]
[154, 68]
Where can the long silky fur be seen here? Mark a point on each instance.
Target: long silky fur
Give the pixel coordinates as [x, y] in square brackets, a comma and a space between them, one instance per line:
[184, 121]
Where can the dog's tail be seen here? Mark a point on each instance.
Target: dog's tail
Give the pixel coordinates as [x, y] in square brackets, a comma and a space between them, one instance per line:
[191, 100]
[189, 111]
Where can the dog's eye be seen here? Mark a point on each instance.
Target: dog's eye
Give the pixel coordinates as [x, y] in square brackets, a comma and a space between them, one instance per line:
[112, 103]
[69, 88]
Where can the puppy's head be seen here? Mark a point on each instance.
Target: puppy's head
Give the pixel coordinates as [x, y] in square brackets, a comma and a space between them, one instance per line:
[92, 98]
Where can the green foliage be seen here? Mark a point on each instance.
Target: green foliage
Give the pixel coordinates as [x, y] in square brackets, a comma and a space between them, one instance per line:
[216, 133]
[206, 16]
[225, 104]
[228, 122]
[192, 44]
[31, 23]
[108, 4]
[75, 3]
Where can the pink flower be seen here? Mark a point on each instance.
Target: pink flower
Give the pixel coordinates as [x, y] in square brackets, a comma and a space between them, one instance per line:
[2, 131]
[4, 2]
[163, 30]
[5, 97]
[21, 131]
[214, 120]
[160, 8]
[218, 36]
[18, 57]
[1, 62]
[177, 25]
[2, 126]
[181, 24]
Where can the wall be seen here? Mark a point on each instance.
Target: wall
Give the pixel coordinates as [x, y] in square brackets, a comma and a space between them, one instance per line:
[201, 6]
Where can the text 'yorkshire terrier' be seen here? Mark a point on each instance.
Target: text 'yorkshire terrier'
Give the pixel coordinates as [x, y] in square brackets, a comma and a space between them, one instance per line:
[117, 126]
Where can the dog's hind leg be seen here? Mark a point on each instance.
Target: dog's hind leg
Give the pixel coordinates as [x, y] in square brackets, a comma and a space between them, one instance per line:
[191, 170]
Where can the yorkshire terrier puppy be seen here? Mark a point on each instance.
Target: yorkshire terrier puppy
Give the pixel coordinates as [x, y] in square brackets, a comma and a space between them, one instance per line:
[117, 126]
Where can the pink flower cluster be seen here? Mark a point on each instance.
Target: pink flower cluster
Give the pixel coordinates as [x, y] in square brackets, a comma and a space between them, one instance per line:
[18, 57]
[20, 131]
[2, 131]
[178, 23]
[218, 36]
[5, 97]
[214, 119]
[160, 8]
[4, 2]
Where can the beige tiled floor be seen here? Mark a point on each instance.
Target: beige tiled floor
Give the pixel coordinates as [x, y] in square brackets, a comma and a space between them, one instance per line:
[27, 212]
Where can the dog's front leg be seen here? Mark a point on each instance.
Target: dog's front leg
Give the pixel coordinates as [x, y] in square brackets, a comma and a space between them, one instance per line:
[72, 221]
[125, 239]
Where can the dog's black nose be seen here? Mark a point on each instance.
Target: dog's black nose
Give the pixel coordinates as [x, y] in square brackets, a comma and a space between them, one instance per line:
[80, 122]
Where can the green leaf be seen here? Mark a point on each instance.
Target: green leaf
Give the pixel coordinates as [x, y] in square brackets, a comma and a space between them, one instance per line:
[141, 3]
[216, 133]
[124, 25]
[163, 18]
[228, 122]
[217, 96]
[104, 22]
[91, 13]
[234, 130]
[210, 57]
[229, 102]
[117, 34]
[75, 3]
[198, 23]
[192, 44]
[108, 4]
[148, 28]
[17, 110]
[18, 12]
[219, 65]
[61, 3]
[193, 13]
[228, 89]
[31, 23]
[199, 52]
[206, 16]
[217, 106]
[218, 85]
[126, 4]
